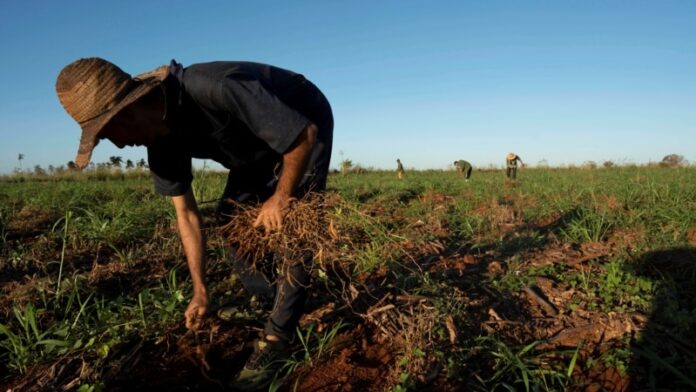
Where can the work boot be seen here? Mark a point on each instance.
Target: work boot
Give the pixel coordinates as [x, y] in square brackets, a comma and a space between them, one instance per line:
[262, 366]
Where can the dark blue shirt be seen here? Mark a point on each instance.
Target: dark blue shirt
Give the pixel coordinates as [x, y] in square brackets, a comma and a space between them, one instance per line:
[243, 115]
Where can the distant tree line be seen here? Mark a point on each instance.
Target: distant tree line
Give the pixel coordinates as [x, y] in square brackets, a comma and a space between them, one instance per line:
[671, 160]
[346, 165]
[114, 163]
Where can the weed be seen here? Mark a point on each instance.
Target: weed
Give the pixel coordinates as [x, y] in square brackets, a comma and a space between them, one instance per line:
[315, 347]
[517, 369]
[617, 358]
[66, 223]
[514, 279]
[586, 225]
[31, 342]
[4, 220]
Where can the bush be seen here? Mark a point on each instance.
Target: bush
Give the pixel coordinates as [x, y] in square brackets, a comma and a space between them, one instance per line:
[673, 160]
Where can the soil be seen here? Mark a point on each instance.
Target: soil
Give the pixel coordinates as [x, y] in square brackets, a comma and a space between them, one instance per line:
[691, 236]
[356, 365]
[360, 358]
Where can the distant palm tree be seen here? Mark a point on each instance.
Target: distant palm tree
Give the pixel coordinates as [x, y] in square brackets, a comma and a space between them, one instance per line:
[346, 166]
[115, 161]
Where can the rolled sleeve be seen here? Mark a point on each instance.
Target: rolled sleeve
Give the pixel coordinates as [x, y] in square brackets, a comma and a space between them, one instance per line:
[170, 167]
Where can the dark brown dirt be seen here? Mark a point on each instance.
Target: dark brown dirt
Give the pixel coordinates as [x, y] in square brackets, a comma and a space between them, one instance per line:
[691, 236]
[175, 362]
[29, 222]
[609, 379]
[356, 365]
[206, 362]
[358, 360]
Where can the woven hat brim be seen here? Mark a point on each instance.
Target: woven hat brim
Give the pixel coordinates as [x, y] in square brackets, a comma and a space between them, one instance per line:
[91, 129]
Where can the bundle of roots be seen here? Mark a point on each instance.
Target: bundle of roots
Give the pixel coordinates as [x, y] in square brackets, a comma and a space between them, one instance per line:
[306, 234]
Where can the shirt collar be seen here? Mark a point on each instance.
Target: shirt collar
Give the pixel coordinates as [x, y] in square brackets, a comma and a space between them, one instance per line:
[172, 89]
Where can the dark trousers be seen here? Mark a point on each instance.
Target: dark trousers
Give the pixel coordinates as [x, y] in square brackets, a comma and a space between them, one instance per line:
[512, 172]
[288, 288]
[467, 173]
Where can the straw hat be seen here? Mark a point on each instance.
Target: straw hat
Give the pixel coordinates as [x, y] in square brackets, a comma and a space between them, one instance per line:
[511, 156]
[93, 91]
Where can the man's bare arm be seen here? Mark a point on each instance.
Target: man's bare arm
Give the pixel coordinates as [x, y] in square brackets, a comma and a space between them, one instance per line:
[294, 165]
[190, 230]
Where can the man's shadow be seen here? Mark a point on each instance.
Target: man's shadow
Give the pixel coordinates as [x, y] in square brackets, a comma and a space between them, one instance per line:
[665, 351]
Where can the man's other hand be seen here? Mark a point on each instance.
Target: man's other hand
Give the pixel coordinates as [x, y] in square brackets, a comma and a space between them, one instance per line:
[195, 311]
[272, 213]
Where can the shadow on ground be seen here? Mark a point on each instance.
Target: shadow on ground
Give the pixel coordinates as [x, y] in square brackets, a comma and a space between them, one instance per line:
[665, 353]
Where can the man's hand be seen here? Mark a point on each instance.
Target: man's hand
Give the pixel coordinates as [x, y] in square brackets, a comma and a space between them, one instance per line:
[195, 311]
[294, 164]
[272, 213]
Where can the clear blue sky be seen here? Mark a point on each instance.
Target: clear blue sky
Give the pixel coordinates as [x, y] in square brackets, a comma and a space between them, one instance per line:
[425, 81]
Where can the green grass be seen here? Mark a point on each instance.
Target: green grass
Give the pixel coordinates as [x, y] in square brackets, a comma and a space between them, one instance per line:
[642, 214]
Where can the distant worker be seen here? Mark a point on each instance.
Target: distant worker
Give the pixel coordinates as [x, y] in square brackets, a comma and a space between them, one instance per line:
[511, 161]
[464, 168]
[399, 169]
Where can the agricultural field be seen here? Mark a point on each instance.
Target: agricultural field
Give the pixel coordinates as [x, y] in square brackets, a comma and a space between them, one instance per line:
[567, 279]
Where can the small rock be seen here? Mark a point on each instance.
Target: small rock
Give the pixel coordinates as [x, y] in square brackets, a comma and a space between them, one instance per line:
[495, 268]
